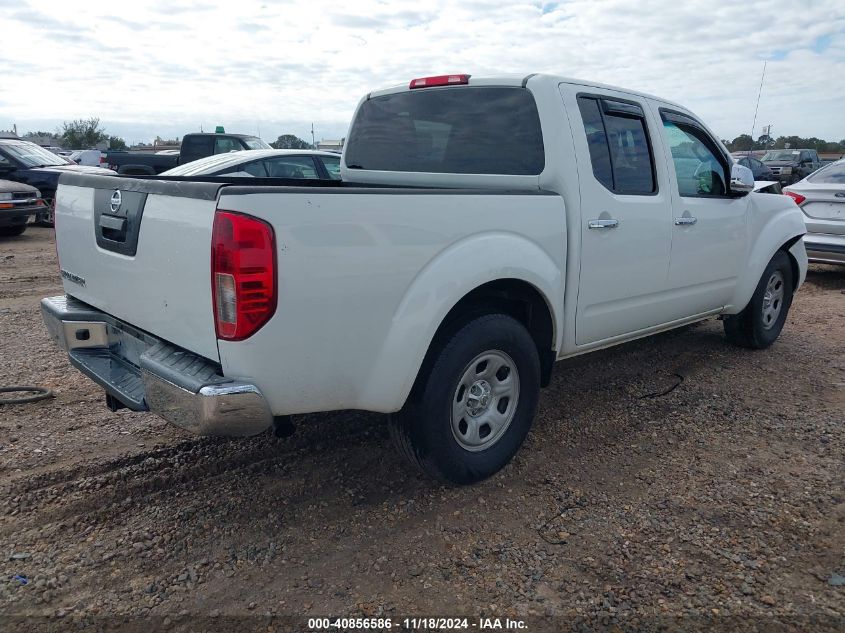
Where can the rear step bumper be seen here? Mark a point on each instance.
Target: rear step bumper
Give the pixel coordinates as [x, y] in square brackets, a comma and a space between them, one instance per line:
[144, 373]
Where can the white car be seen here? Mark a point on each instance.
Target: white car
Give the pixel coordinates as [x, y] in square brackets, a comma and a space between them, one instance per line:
[484, 228]
[264, 163]
[89, 157]
[821, 196]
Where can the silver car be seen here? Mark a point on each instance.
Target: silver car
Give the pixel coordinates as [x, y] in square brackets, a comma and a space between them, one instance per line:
[821, 196]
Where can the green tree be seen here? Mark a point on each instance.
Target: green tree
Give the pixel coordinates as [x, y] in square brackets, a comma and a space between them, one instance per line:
[54, 139]
[290, 141]
[741, 143]
[115, 142]
[83, 133]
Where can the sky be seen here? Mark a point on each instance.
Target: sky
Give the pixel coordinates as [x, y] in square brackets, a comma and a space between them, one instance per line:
[271, 67]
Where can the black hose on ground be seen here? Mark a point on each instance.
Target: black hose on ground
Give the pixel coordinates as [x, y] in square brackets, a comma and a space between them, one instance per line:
[39, 393]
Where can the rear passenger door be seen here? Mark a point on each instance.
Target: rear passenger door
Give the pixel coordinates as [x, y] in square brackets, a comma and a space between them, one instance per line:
[709, 225]
[625, 220]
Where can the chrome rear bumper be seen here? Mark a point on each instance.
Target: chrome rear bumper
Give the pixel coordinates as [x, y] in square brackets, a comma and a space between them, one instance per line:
[825, 248]
[144, 373]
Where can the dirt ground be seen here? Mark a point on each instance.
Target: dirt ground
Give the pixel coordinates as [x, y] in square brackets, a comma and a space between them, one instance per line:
[720, 503]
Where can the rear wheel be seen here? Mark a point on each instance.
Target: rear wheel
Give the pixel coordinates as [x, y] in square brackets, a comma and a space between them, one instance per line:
[471, 410]
[761, 322]
[12, 231]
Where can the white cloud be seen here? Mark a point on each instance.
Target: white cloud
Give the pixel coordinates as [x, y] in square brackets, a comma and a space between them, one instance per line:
[168, 67]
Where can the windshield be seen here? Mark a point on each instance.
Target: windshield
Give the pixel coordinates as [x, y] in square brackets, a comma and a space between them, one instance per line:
[782, 154]
[253, 142]
[31, 155]
[831, 174]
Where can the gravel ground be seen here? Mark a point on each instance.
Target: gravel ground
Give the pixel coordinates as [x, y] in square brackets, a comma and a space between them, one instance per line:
[720, 504]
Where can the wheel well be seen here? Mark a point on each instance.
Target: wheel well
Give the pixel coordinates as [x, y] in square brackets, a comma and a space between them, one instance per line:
[796, 273]
[517, 299]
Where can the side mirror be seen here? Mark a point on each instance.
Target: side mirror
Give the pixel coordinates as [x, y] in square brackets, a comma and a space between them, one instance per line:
[742, 179]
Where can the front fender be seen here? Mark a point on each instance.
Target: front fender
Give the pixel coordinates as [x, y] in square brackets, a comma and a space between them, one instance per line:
[774, 221]
[439, 286]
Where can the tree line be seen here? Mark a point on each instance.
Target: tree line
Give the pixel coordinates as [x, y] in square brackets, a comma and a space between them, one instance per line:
[744, 143]
[88, 133]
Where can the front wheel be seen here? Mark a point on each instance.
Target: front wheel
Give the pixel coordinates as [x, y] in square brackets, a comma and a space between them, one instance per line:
[47, 217]
[472, 408]
[761, 322]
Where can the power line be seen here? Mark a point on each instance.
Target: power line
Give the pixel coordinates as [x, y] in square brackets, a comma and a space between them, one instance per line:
[757, 107]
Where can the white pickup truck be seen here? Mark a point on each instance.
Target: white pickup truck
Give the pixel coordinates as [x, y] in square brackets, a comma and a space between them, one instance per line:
[485, 228]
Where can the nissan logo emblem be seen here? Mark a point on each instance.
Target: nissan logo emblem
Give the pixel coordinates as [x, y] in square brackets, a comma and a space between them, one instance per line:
[116, 199]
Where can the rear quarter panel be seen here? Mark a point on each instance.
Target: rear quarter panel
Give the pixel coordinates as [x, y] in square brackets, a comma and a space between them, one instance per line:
[366, 278]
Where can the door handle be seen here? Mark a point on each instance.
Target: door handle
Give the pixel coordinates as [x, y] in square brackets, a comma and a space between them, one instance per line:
[602, 224]
[685, 221]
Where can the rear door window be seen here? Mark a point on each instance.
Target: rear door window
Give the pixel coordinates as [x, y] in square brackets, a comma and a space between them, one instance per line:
[197, 146]
[254, 169]
[619, 149]
[226, 144]
[291, 167]
[461, 130]
[832, 174]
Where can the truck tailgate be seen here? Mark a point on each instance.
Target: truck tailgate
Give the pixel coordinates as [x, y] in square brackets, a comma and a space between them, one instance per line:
[140, 250]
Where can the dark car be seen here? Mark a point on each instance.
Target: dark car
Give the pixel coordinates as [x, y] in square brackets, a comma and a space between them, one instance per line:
[759, 169]
[22, 161]
[791, 165]
[194, 147]
[18, 202]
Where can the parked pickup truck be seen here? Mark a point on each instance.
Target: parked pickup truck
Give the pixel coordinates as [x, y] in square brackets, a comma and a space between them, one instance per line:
[193, 146]
[791, 165]
[484, 228]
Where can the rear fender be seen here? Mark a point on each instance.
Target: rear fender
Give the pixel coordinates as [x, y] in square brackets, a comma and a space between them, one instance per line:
[445, 280]
[775, 221]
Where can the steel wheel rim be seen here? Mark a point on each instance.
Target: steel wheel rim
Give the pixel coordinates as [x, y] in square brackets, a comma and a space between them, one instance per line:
[484, 401]
[773, 299]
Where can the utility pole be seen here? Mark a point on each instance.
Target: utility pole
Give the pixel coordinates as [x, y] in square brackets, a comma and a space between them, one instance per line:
[313, 143]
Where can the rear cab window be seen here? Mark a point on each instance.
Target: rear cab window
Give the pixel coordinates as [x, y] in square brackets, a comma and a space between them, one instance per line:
[457, 130]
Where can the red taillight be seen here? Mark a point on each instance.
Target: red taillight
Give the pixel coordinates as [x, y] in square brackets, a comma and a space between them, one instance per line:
[439, 80]
[243, 274]
[795, 196]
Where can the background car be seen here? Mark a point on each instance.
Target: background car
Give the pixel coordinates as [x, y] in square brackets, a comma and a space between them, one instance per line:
[791, 165]
[90, 157]
[821, 196]
[760, 170]
[18, 202]
[265, 163]
[22, 161]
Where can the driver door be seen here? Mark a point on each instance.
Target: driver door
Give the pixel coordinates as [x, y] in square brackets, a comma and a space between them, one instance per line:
[709, 224]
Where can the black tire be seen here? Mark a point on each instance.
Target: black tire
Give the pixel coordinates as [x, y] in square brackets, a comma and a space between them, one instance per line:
[12, 231]
[423, 429]
[754, 327]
